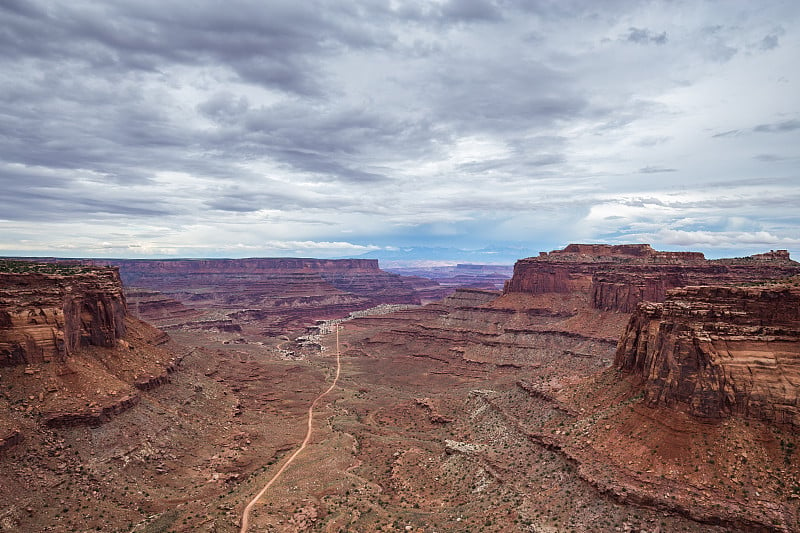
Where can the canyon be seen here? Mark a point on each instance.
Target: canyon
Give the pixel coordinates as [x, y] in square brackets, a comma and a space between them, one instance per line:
[461, 275]
[264, 294]
[604, 388]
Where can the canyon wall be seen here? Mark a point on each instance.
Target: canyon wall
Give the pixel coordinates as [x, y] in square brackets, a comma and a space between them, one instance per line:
[71, 354]
[619, 277]
[133, 269]
[717, 351]
[49, 316]
[268, 277]
[263, 295]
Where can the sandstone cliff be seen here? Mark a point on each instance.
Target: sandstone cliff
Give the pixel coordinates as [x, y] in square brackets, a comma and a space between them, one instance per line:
[717, 351]
[72, 354]
[48, 316]
[619, 277]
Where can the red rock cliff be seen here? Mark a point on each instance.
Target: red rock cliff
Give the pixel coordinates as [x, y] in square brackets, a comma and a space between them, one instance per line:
[718, 351]
[619, 277]
[46, 317]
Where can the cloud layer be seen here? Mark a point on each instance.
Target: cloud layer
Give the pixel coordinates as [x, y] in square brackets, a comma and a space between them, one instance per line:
[139, 128]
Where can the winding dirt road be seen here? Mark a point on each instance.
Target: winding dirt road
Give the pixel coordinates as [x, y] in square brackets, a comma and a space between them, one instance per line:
[246, 513]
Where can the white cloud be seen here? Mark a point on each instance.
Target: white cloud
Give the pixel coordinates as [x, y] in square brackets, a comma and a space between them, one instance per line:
[281, 126]
[720, 239]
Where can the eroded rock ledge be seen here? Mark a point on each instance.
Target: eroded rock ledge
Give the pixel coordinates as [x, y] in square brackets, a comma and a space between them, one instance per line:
[49, 316]
[719, 351]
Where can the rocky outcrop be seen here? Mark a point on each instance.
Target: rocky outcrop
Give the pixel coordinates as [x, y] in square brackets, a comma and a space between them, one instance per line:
[718, 351]
[48, 316]
[767, 258]
[621, 253]
[9, 438]
[619, 277]
[94, 416]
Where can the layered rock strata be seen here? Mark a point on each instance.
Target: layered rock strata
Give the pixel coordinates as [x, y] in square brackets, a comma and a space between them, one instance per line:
[619, 277]
[475, 329]
[273, 294]
[46, 317]
[360, 277]
[717, 351]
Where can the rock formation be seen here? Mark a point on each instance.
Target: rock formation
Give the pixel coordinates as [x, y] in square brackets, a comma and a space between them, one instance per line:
[48, 316]
[273, 295]
[717, 351]
[71, 353]
[619, 277]
[360, 277]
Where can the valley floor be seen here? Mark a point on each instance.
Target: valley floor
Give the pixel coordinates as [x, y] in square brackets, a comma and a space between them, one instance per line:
[463, 416]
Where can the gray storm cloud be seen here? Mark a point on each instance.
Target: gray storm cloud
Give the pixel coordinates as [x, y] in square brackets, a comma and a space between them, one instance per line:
[197, 128]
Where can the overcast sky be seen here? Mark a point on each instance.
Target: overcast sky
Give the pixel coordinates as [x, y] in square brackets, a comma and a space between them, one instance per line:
[142, 128]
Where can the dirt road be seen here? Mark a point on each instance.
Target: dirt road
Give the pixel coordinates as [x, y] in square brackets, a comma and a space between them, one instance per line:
[246, 513]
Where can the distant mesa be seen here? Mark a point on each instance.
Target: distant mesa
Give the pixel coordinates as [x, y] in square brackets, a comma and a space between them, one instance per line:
[272, 295]
[476, 276]
[619, 277]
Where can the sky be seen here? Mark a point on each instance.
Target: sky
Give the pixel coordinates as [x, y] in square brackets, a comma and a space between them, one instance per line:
[192, 128]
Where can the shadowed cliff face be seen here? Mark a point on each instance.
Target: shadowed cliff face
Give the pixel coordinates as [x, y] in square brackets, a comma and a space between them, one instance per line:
[619, 277]
[719, 351]
[47, 317]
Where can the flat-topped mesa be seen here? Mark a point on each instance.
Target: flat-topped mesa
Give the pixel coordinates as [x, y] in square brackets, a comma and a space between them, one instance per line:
[617, 278]
[619, 253]
[49, 314]
[357, 276]
[572, 268]
[771, 257]
[718, 351]
[266, 265]
[273, 294]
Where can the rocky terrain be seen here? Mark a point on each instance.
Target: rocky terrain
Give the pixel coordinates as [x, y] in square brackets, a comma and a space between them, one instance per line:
[263, 294]
[543, 407]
